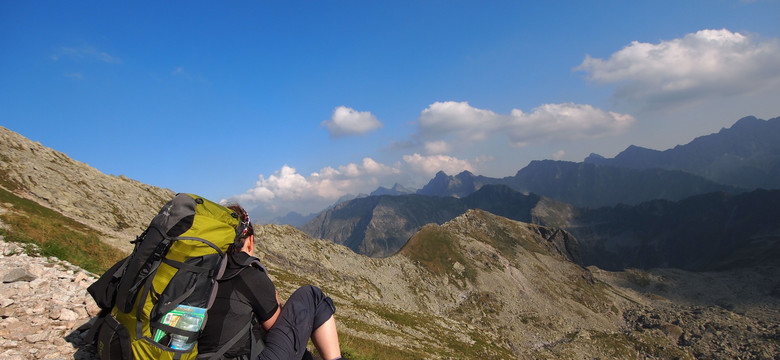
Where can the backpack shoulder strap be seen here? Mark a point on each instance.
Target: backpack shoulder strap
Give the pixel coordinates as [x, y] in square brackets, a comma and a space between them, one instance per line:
[249, 261]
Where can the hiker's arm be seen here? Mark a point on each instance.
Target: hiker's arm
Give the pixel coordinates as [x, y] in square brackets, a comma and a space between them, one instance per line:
[263, 297]
[271, 321]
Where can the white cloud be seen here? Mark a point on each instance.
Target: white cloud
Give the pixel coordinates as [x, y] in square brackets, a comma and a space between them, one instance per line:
[374, 168]
[85, 53]
[459, 118]
[347, 121]
[547, 122]
[708, 62]
[564, 122]
[283, 184]
[558, 155]
[430, 165]
[287, 185]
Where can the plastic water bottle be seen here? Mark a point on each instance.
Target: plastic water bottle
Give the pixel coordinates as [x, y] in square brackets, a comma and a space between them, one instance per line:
[189, 323]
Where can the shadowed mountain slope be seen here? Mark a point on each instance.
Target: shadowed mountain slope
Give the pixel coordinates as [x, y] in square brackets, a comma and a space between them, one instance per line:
[387, 222]
[704, 232]
[589, 185]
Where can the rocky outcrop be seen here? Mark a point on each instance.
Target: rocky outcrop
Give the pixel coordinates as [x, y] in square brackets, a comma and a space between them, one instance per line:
[116, 205]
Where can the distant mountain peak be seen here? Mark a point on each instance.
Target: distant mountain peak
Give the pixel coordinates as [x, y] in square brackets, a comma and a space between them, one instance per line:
[594, 158]
[397, 189]
[442, 184]
[747, 121]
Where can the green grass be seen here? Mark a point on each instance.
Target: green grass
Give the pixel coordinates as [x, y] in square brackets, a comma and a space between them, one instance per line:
[56, 235]
[437, 251]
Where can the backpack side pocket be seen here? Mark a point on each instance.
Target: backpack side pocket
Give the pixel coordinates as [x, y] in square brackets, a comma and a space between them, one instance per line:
[113, 340]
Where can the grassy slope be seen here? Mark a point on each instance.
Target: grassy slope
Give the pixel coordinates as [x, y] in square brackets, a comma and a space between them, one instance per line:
[55, 234]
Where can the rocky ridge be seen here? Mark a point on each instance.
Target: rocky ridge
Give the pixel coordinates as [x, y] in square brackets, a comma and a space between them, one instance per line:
[502, 291]
[117, 206]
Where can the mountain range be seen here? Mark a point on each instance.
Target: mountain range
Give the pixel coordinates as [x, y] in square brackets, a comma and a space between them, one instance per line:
[582, 184]
[479, 285]
[743, 157]
[747, 155]
[740, 158]
[621, 216]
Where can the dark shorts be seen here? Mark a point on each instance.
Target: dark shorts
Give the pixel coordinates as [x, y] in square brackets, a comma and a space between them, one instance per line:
[305, 311]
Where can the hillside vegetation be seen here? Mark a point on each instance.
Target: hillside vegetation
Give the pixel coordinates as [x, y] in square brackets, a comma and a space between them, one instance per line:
[27, 222]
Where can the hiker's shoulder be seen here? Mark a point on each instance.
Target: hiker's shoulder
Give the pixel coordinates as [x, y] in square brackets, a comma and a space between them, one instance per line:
[247, 266]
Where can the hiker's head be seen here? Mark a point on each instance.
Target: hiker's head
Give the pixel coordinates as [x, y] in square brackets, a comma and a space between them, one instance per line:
[245, 232]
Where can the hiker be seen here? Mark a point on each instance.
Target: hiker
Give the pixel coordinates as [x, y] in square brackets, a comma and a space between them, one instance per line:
[246, 294]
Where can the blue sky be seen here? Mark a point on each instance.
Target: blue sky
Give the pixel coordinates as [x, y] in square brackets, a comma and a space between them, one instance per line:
[291, 105]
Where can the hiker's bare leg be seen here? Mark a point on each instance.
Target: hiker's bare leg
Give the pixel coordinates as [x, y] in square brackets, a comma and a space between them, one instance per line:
[326, 339]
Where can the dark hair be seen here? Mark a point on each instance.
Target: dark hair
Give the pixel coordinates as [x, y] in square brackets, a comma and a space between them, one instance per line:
[244, 229]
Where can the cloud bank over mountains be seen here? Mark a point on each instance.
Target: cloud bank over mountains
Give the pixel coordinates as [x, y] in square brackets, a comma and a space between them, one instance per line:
[709, 65]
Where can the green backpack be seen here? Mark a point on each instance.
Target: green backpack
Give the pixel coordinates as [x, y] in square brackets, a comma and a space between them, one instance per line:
[167, 282]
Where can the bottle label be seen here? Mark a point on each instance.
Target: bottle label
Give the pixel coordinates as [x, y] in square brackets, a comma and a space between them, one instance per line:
[172, 319]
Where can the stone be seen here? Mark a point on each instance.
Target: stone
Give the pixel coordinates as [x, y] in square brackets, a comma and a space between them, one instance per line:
[68, 315]
[34, 338]
[54, 312]
[5, 302]
[11, 249]
[12, 354]
[673, 332]
[92, 308]
[18, 274]
[6, 312]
